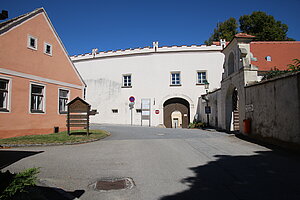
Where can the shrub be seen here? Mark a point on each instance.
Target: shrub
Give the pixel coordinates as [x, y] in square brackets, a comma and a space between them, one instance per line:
[276, 72]
[15, 186]
[197, 125]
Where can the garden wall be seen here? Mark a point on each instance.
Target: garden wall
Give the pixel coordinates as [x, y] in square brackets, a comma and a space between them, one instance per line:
[273, 108]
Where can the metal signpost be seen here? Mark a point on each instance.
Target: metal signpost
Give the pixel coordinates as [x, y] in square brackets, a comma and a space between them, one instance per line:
[131, 106]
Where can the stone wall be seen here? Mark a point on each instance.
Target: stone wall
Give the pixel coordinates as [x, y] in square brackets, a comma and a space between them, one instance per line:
[274, 109]
[214, 101]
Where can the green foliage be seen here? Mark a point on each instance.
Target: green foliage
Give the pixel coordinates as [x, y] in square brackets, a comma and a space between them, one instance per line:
[295, 66]
[14, 186]
[197, 125]
[263, 26]
[273, 73]
[259, 24]
[225, 30]
[276, 72]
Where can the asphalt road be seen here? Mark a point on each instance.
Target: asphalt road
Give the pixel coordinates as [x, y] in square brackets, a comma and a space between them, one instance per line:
[165, 164]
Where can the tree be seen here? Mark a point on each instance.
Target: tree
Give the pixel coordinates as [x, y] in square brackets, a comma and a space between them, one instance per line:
[263, 26]
[259, 24]
[225, 30]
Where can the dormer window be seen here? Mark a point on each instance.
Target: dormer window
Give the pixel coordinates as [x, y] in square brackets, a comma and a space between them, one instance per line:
[268, 58]
[32, 42]
[48, 49]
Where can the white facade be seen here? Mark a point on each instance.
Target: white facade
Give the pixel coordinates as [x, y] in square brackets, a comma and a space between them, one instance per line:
[151, 78]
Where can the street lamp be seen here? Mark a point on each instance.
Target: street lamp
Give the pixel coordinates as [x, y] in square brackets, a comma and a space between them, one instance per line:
[207, 108]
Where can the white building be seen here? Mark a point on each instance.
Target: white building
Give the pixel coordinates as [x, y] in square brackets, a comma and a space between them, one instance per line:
[171, 79]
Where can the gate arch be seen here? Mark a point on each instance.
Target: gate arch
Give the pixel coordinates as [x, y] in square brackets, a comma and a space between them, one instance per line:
[232, 109]
[180, 105]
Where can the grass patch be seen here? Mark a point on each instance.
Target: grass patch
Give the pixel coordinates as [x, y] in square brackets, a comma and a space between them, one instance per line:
[61, 137]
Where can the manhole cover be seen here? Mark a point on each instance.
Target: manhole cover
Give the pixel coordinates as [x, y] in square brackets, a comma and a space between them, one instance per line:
[113, 184]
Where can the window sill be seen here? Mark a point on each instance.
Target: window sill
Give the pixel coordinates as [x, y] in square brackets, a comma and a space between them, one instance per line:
[200, 83]
[32, 48]
[48, 54]
[4, 110]
[37, 111]
[126, 87]
[63, 112]
[175, 85]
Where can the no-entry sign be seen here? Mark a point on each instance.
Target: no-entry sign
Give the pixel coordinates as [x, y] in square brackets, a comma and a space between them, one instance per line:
[157, 112]
[131, 99]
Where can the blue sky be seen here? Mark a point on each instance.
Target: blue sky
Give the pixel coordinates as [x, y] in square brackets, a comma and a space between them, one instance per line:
[121, 24]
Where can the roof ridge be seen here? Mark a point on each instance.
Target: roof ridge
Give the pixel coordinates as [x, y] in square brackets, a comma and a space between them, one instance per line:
[5, 24]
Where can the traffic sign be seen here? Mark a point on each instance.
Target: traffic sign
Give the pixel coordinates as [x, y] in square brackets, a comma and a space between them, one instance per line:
[207, 110]
[131, 99]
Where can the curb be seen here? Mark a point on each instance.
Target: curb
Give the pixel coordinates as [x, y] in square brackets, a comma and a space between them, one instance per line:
[3, 146]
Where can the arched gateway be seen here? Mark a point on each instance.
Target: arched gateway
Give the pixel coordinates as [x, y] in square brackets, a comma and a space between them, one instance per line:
[232, 110]
[176, 113]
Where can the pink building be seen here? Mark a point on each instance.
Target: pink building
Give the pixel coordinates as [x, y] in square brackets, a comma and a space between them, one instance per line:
[37, 78]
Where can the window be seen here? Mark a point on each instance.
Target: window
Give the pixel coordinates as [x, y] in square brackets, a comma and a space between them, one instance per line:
[230, 63]
[48, 49]
[201, 77]
[268, 58]
[127, 80]
[4, 95]
[32, 43]
[37, 99]
[175, 78]
[63, 100]
[115, 110]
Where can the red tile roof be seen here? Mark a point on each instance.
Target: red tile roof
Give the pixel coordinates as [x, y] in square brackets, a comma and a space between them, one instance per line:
[244, 35]
[218, 43]
[282, 53]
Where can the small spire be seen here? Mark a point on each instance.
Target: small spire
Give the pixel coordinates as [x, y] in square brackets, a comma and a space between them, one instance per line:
[155, 46]
[223, 43]
[94, 52]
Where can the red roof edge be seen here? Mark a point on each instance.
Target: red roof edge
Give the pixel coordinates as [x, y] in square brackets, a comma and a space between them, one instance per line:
[244, 35]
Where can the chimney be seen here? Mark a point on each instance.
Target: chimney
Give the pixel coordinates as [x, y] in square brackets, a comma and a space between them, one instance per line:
[223, 43]
[94, 52]
[155, 46]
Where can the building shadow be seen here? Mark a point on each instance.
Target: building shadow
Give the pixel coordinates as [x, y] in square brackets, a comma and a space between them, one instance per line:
[57, 193]
[265, 175]
[8, 157]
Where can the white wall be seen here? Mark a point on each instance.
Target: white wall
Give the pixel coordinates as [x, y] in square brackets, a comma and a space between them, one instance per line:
[150, 79]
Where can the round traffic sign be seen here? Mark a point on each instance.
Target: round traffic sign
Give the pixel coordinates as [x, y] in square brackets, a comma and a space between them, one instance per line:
[157, 112]
[131, 99]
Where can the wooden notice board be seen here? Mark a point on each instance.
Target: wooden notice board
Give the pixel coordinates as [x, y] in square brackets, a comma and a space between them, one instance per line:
[78, 114]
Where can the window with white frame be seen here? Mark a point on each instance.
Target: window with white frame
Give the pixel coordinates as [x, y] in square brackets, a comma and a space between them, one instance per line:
[32, 42]
[48, 49]
[175, 78]
[201, 77]
[4, 95]
[63, 100]
[127, 80]
[37, 99]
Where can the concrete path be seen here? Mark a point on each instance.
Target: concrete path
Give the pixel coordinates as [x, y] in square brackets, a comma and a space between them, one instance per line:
[165, 164]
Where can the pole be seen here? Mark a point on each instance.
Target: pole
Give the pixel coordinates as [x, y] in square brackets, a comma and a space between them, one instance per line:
[131, 116]
[207, 115]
